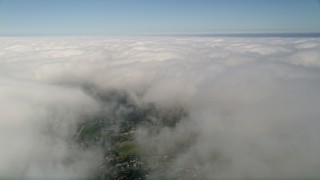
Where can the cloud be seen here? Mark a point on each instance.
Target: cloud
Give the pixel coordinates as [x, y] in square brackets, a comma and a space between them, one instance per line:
[36, 120]
[252, 103]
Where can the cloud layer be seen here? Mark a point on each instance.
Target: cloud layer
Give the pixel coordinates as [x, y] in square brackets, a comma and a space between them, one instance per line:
[253, 103]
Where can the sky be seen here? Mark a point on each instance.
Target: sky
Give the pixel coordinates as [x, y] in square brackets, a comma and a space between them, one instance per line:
[139, 17]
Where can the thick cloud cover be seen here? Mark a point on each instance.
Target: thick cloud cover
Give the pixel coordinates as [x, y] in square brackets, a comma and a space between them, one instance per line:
[253, 103]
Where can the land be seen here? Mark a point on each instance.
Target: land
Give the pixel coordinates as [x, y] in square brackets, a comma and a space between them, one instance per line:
[114, 132]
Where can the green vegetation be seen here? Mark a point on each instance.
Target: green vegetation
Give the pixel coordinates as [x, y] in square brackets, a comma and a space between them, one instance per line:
[126, 148]
[114, 132]
[89, 131]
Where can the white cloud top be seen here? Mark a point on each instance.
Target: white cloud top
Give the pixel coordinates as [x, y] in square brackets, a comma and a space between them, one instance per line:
[254, 103]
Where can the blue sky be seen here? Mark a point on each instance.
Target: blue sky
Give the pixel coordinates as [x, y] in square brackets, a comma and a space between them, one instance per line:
[138, 17]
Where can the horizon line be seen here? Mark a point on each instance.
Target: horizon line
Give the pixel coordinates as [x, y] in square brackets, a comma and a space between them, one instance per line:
[227, 34]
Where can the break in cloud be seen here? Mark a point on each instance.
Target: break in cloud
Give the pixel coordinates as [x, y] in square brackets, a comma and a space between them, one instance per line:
[253, 103]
